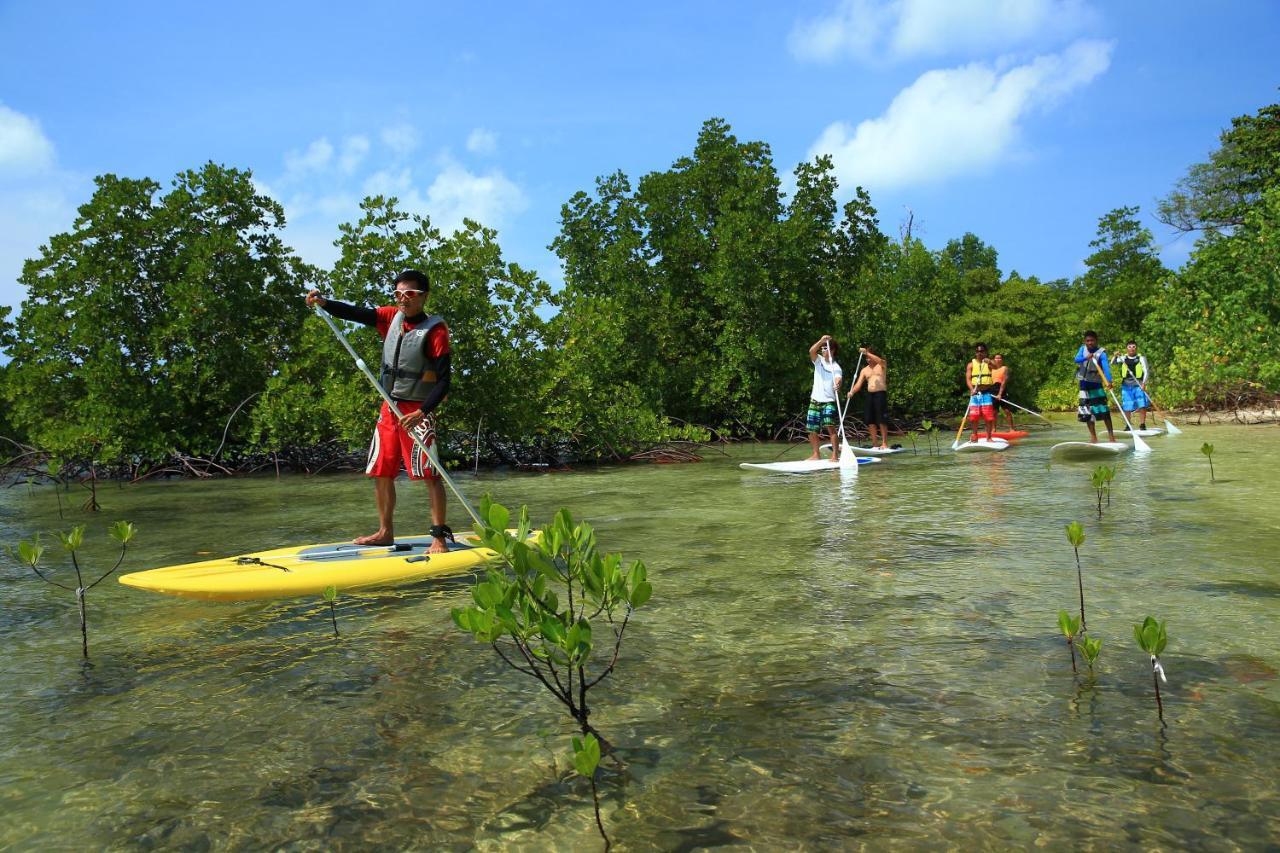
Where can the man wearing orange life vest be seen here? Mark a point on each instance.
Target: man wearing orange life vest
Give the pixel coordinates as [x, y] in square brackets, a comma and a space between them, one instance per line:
[1000, 378]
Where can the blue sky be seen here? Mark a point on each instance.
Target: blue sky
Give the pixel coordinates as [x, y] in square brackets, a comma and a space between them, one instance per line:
[1022, 121]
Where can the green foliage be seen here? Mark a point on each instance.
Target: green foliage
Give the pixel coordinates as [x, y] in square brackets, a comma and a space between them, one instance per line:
[331, 597]
[1068, 624]
[1124, 274]
[1075, 534]
[1090, 648]
[1217, 196]
[1101, 478]
[156, 315]
[1214, 325]
[32, 551]
[1207, 450]
[542, 600]
[586, 754]
[1151, 636]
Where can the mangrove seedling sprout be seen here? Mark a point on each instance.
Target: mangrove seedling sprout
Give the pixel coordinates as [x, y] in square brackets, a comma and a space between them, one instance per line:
[1151, 638]
[331, 596]
[32, 551]
[586, 758]
[1207, 450]
[1070, 627]
[536, 607]
[1075, 535]
[1090, 648]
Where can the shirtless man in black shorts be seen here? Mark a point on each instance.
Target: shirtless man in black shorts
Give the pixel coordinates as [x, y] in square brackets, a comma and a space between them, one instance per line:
[876, 408]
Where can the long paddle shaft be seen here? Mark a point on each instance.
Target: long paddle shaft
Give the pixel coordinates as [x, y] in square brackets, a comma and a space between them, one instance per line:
[956, 444]
[845, 413]
[846, 452]
[395, 410]
[1028, 411]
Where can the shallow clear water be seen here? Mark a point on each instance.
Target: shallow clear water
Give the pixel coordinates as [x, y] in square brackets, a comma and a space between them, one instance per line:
[822, 665]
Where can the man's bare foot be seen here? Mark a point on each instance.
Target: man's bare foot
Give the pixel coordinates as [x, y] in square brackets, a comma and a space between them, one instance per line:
[438, 546]
[379, 538]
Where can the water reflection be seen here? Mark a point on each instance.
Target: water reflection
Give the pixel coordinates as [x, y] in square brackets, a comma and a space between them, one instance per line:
[827, 662]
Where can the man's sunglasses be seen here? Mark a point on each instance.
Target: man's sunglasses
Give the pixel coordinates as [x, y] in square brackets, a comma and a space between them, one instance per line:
[408, 294]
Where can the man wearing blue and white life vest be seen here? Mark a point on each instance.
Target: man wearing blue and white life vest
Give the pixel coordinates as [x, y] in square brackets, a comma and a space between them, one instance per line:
[822, 398]
[1094, 375]
[416, 374]
[1134, 376]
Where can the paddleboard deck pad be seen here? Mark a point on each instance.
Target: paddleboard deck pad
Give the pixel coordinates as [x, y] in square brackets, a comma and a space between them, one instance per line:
[802, 466]
[983, 446]
[1089, 449]
[309, 569]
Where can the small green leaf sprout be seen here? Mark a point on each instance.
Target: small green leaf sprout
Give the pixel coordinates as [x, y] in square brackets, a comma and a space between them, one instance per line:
[1075, 535]
[331, 596]
[32, 553]
[1207, 450]
[1151, 637]
[1070, 627]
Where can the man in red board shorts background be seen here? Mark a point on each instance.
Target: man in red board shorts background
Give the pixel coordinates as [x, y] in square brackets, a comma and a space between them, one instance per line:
[415, 373]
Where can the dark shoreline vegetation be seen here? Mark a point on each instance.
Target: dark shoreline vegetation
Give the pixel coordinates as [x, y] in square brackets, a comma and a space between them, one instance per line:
[165, 334]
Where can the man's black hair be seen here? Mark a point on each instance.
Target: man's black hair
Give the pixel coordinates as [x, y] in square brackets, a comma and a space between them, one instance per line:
[1090, 333]
[979, 345]
[1135, 343]
[419, 279]
[834, 347]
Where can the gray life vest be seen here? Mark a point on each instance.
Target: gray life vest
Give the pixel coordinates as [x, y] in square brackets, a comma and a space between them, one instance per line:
[408, 373]
[1091, 371]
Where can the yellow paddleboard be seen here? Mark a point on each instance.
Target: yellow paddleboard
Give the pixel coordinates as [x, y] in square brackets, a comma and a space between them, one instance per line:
[308, 569]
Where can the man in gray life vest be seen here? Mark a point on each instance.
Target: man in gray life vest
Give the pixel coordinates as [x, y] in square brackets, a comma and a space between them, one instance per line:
[416, 374]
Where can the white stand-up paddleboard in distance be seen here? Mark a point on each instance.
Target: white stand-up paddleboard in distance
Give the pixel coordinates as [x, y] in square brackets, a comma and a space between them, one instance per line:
[983, 446]
[801, 466]
[1089, 449]
[1143, 433]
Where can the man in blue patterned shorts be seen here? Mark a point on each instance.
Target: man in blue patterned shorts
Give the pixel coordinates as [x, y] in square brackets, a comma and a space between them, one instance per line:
[1094, 373]
[822, 399]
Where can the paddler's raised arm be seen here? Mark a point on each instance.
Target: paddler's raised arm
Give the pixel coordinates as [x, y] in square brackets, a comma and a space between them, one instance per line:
[817, 345]
[342, 310]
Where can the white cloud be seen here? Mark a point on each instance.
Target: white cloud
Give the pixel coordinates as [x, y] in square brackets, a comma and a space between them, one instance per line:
[354, 150]
[482, 141]
[886, 30]
[317, 156]
[23, 146]
[490, 199]
[401, 138]
[37, 199]
[956, 121]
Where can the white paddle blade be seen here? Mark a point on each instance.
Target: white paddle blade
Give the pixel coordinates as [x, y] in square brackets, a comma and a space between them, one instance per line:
[1170, 428]
[1140, 446]
[848, 462]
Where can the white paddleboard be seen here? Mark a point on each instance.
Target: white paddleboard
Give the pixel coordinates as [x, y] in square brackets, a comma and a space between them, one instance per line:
[870, 451]
[1089, 449]
[983, 446]
[801, 466]
[1143, 433]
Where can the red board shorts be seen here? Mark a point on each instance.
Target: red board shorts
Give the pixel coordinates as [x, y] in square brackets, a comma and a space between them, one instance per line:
[981, 407]
[392, 447]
